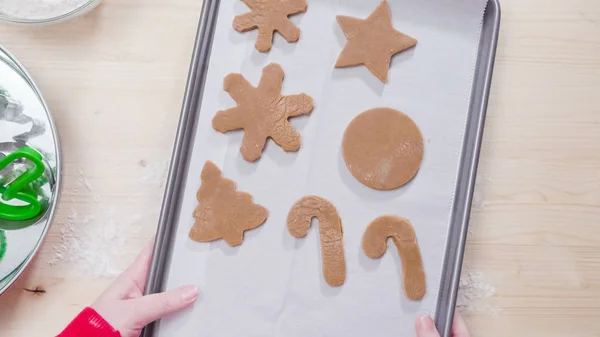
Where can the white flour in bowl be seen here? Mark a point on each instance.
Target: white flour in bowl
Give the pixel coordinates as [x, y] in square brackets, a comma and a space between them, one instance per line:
[39, 9]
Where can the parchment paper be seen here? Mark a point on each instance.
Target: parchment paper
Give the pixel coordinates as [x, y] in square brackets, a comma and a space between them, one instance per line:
[272, 285]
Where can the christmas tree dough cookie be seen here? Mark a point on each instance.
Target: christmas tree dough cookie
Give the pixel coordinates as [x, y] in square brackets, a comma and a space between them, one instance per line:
[262, 112]
[372, 42]
[330, 230]
[270, 16]
[223, 212]
[382, 148]
[402, 233]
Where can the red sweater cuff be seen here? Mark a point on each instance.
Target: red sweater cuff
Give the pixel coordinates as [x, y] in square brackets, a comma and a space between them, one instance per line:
[89, 324]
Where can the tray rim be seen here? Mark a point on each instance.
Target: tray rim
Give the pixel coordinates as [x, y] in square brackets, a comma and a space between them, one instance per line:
[467, 174]
[463, 193]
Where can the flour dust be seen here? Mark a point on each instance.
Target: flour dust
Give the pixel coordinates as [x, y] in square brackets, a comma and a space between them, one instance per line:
[39, 9]
[96, 237]
[474, 293]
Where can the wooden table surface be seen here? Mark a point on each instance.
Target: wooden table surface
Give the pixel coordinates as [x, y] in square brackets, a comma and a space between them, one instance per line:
[115, 80]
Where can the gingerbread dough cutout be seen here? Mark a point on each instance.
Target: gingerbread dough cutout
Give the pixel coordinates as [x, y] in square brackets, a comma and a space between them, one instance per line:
[223, 212]
[382, 148]
[270, 16]
[330, 231]
[262, 112]
[372, 42]
[374, 245]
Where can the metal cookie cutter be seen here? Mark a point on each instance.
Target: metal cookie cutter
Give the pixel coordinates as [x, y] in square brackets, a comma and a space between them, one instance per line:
[20, 203]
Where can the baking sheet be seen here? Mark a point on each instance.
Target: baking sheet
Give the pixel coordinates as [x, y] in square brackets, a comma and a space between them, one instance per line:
[272, 285]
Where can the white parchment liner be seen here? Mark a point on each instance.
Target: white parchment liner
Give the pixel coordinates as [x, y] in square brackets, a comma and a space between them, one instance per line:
[272, 284]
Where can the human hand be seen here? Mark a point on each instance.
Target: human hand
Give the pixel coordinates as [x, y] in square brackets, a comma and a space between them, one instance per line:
[426, 328]
[125, 307]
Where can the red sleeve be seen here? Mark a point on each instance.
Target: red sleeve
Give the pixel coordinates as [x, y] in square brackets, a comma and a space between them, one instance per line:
[89, 324]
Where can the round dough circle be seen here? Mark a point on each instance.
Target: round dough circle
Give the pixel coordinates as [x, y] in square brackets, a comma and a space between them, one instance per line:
[382, 148]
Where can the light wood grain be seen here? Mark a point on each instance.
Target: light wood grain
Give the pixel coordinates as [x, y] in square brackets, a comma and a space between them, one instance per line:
[537, 237]
[114, 81]
[535, 232]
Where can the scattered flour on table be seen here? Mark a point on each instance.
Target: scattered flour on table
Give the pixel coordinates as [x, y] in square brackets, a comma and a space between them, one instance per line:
[154, 172]
[39, 9]
[473, 294]
[83, 180]
[93, 243]
[478, 202]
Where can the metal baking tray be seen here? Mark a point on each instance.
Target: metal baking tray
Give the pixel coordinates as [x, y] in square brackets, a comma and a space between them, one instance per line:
[463, 190]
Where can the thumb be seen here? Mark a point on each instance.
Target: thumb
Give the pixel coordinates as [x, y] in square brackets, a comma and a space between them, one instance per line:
[426, 327]
[152, 307]
[459, 328]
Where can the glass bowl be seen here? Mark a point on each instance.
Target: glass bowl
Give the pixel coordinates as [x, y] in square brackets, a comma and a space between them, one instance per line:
[53, 17]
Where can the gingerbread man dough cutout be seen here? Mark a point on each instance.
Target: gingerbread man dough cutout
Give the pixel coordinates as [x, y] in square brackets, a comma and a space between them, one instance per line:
[270, 16]
[223, 212]
[262, 112]
[403, 234]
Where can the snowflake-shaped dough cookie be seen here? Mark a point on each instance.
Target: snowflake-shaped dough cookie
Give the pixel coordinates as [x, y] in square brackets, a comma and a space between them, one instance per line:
[270, 16]
[262, 112]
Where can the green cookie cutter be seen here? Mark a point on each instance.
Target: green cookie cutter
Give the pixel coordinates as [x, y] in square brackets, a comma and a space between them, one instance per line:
[20, 188]
[2, 244]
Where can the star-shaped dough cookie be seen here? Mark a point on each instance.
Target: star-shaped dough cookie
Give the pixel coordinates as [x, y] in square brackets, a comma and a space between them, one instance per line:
[262, 112]
[269, 16]
[223, 212]
[372, 42]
